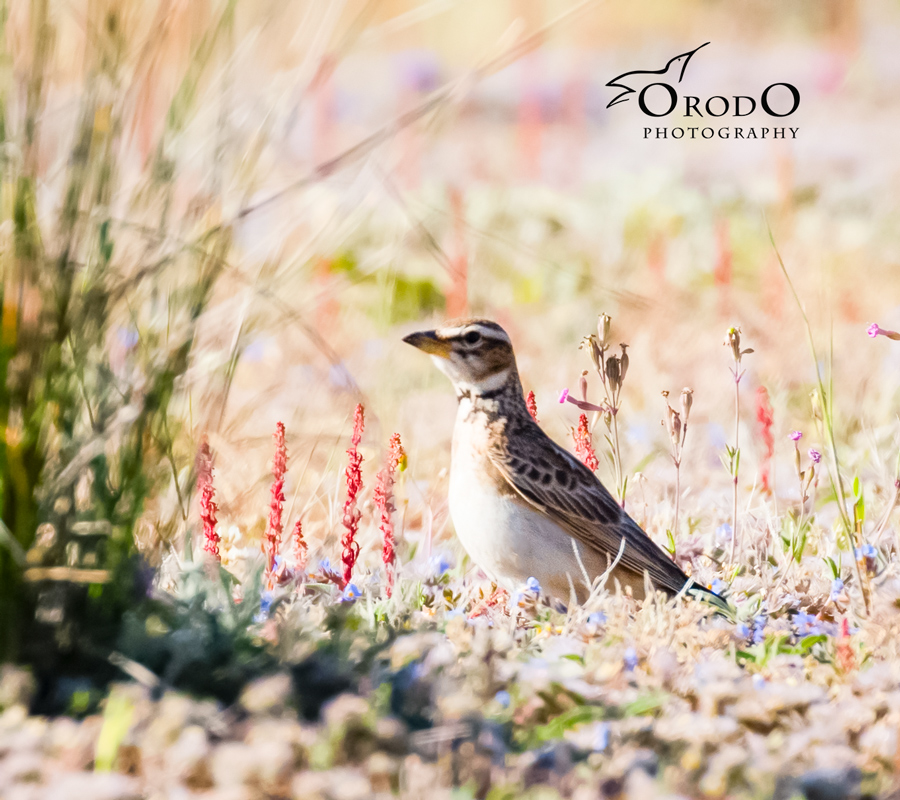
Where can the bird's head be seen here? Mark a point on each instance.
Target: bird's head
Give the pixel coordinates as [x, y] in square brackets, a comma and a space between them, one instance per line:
[680, 62]
[475, 354]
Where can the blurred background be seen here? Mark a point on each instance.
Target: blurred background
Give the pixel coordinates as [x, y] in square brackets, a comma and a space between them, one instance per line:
[219, 215]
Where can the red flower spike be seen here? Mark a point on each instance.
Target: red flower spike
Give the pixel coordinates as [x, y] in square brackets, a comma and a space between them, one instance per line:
[584, 448]
[274, 528]
[384, 502]
[353, 476]
[531, 404]
[208, 507]
[765, 420]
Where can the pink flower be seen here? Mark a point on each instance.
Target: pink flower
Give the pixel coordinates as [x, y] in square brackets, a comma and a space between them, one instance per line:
[875, 330]
[814, 455]
[384, 502]
[796, 436]
[584, 405]
[274, 528]
[353, 476]
[208, 507]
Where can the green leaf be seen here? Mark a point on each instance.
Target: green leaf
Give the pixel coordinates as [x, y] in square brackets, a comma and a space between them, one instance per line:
[645, 704]
[808, 642]
[859, 506]
[556, 728]
[116, 724]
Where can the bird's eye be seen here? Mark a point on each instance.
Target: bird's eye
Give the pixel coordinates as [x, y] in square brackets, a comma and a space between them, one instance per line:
[472, 337]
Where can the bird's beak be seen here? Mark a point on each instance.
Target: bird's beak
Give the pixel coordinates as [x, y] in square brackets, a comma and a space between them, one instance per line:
[428, 342]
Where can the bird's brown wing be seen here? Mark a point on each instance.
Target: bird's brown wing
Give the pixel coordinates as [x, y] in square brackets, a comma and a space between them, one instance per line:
[560, 486]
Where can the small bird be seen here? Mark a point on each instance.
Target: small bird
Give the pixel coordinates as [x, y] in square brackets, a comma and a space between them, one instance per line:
[676, 62]
[523, 506]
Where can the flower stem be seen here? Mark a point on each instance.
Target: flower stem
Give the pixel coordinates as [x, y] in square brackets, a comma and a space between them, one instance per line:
[617, 459]
[677, 496]
[735, 463]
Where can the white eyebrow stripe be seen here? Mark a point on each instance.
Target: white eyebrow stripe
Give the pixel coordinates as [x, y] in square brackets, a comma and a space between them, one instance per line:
[491, 333]
[449, 333]
[484, 330]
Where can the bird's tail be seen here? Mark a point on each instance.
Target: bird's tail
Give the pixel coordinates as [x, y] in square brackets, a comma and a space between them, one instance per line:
[709, 597]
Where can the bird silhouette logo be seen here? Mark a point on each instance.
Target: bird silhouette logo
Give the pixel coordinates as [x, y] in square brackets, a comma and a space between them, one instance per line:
[678, 65]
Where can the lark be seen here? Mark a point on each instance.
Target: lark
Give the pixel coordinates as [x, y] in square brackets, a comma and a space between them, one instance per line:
[522, 506]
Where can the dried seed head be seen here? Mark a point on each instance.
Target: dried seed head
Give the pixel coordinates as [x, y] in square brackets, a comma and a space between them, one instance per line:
[733, 340]
[592, 348]
[687, 400]
[623, 363]
[613, 374]
[603, 322]
[669, 420]
[583, 385]
[676, 429]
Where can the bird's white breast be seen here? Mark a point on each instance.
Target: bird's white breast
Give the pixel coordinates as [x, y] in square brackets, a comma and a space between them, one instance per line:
[508, 540]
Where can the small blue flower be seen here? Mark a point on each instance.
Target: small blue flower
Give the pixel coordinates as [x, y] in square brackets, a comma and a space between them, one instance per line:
[759, 628]
[724, 532]
[596, 618]
[759, 681]
[837, 588]
[807, 624]
[719, 586]
[265, 606]
[503, 698]
[532, 585]
[325, 565]
[601, 737]
[439, 564]
[350, 593]
[743, 630]
[631, 659]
